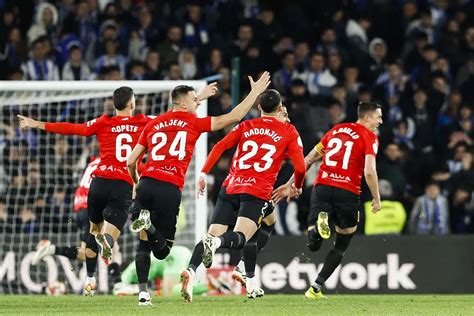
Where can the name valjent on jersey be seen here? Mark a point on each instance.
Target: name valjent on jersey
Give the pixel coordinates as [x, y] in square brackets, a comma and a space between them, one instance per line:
[346, 130]
[263, 131]
[169, 123]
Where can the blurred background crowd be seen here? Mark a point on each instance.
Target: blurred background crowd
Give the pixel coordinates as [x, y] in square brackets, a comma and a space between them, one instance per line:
[416, 58]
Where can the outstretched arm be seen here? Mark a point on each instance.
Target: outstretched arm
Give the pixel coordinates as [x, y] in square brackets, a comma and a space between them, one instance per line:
[82, 129]
[238, 113]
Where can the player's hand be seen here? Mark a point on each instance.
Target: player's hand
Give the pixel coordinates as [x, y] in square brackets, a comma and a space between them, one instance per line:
[261, 84]
[201, 185]
[26, 122]
[283, 191]
[376, 205]
[294, 192]
[209, 91]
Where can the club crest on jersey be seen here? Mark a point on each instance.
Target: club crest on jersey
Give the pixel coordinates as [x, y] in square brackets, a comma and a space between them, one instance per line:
[346, 130]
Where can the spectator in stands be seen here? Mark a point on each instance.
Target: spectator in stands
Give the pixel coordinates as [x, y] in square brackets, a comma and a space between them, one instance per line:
[136, 70]
[244, 38]
[111, 57]
[137, 47]
[196, 29]
[153, 66]
[173, 72]
[319, 79]
[213, 63]
[430, 213]
[75, 68]
[187, 64]
[170, 48]
[390, 169]
[45, 22]
[282, 77]
[39, 67]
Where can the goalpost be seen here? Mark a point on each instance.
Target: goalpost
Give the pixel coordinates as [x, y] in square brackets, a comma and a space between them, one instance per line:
[40, 171]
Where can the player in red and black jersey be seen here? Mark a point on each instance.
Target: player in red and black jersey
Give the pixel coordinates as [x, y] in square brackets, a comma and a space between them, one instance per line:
[170, 140]
[262, 144]
[111, 188]
[225, 213]
[347, 150]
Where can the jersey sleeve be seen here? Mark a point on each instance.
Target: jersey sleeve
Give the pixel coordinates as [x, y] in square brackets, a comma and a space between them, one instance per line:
[295, 152]
[371, 144]
[227, 142]
[203, 124]
[83, 129]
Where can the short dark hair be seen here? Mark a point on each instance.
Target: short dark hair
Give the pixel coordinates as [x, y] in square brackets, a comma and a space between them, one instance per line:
[121, 97]
[270, 100]
[365, 107]
[180, 91]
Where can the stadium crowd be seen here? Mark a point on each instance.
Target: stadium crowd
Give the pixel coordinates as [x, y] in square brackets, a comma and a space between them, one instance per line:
[414, 57]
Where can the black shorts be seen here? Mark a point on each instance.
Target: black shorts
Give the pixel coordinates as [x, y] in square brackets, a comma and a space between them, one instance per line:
[254, 208]
[82, 222]
[109, 200]
[162, 199]
[342, 205]
[225, 211]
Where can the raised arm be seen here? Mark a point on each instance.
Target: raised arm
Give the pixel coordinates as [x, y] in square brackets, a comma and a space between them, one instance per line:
[370, 173]
[238, 113]
[132, 161]
[83, 129]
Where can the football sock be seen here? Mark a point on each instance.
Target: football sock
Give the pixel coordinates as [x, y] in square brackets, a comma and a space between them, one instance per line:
[250, 256]
[234, 240]
[142, 287]
[235, 257]
[91, 266]
[334, 257]
[196, 258]
[69, 252]
[264, 233]
[109, 239]
[142, 265]
[314, 240]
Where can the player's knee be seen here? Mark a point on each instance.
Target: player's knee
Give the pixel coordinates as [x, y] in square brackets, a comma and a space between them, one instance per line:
[342, 242]
[162, 253]
[314, 241]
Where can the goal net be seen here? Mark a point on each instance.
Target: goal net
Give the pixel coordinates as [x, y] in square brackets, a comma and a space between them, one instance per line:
[40, 171]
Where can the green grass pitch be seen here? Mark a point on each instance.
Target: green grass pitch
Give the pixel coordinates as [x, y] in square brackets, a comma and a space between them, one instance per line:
[293, 305]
